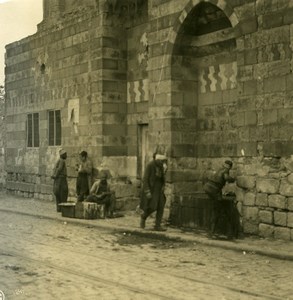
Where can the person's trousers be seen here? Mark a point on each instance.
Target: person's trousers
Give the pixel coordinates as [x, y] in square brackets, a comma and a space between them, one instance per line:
[82, 186]
[159, 211]
[60, 190]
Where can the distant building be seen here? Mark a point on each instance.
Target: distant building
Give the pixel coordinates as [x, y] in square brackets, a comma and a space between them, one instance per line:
[200, 81]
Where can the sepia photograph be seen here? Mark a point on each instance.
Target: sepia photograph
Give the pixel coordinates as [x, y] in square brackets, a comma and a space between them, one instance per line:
[146, 149]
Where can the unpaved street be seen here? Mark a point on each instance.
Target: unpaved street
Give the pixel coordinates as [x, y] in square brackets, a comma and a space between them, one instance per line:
[44, 259]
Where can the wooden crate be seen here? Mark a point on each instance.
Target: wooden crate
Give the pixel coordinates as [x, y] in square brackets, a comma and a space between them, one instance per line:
[86, 210]
[68, 209]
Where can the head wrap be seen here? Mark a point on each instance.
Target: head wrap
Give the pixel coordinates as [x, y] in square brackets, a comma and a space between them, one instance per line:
[83, 153]
[62, 151]
[160, 157]
[228, 164]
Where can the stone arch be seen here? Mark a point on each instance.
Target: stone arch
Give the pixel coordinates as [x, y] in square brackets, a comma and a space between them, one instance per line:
[221, 4]
[203, 77]
[203, 92]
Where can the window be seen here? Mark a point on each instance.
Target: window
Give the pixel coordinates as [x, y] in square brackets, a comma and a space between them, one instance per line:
[54, 128]
[33, 137]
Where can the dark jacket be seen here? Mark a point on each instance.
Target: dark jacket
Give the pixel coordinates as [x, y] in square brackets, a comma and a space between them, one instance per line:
[60, 169]
[153, 185]
[217, 181]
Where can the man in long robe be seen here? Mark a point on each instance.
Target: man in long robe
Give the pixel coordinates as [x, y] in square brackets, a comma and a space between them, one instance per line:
[60, 186]
[152, 196]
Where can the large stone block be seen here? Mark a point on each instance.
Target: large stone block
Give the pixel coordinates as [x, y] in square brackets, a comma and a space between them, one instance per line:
[277, 201]
[290, 220]
[286, 188]
[282, 233]
[280, 218]
[249, 199]
[127, 204]
[261, 199]
[266, 230]
[124, 190]
[272, 20]
[267, 185]
[290, 203]
[250, 227]
[250, 214]
[246, 182]
[266, 216]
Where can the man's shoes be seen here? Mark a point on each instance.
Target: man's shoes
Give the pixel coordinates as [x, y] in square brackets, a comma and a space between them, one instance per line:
[159, 228]
[142, 223]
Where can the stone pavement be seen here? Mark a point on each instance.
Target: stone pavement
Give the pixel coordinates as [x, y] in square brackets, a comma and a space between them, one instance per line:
[130, 224]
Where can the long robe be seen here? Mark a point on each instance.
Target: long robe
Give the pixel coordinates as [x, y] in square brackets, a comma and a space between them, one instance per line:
[60, 187]
[153, 182]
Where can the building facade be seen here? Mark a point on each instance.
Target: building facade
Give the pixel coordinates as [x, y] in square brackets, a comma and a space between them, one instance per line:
[200, 81]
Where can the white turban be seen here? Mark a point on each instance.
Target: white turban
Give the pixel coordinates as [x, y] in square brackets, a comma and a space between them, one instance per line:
[160, 157]
[62, 151]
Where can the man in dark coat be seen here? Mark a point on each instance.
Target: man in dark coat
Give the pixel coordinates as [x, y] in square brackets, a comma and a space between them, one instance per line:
[60, 187]
[152, 195]
[213, 188]
[84, 176]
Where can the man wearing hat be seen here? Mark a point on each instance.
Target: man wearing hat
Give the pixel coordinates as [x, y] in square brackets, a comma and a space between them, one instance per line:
[152, 194]
[213, 188]
[84, 176]
[60, 187]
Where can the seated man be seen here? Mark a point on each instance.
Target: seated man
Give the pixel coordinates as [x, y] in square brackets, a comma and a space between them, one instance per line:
[101, 193]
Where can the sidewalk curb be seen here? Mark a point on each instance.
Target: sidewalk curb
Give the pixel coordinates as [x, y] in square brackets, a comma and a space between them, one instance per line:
[228, 245]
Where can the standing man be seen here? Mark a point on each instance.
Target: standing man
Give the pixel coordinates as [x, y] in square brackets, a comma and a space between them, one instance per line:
[84, 177]
[213, 188]
[60, 188]
[101, 193]
[152, 195]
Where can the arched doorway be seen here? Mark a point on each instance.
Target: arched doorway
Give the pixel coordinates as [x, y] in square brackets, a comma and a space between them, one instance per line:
[204, 78]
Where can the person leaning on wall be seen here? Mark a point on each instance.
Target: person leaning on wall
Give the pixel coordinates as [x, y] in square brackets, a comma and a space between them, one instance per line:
[213, 188]
[60, 186]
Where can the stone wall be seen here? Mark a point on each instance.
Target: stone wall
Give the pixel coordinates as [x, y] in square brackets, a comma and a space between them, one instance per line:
[264, 188]
[2, 138]
[209, 79]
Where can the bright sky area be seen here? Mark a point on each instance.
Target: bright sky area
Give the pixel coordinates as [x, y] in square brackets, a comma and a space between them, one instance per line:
[18, 19]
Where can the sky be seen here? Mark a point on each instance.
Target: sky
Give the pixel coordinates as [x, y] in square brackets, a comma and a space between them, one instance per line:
[18, 19]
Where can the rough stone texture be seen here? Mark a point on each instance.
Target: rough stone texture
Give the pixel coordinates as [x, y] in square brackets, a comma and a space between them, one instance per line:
[277, 201]
[2, 138]
[269, 186]
[290, 204]
[290, 220]
[266, 230]
[282, 233]
[251, 213]
[246, 182]
[286, 188]
[280, 218]
[200, 81]
[266, 216]
[261, 199]
[250, 227]
[249, 199]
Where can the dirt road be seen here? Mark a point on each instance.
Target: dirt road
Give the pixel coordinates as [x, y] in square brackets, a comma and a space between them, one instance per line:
[44, 259]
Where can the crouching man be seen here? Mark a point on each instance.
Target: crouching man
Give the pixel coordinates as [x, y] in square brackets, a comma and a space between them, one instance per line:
[101, 193]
